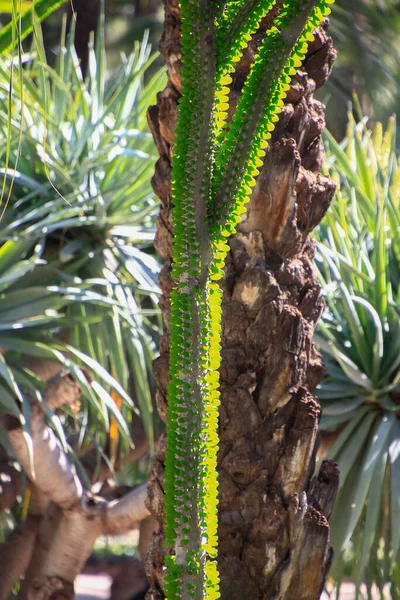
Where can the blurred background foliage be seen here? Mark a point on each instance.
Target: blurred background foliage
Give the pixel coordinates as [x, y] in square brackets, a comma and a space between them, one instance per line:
[78, 272]
[359, 336]
[125, 23]
[365, 33]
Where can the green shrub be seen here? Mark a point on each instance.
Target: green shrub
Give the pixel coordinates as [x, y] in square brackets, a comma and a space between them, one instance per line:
[77, 219]
[359, 336]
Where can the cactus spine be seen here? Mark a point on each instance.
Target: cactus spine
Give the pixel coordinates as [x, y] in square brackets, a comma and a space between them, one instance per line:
[215, 164]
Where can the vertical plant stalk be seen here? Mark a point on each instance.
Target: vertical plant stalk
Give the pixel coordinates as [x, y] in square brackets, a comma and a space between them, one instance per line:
[214, 170]
[187, 504]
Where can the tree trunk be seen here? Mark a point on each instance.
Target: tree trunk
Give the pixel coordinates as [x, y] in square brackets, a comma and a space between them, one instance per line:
[273, 515]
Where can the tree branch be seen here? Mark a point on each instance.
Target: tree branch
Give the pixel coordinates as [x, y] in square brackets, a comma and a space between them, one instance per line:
[64, 522]
[15, 554]
[10, 485]
[64, 543]
[62, 390]
[45, 463]
[51, 470]
[126, 513]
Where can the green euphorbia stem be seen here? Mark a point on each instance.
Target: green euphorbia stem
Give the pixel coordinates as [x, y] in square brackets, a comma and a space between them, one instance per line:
[214, 169]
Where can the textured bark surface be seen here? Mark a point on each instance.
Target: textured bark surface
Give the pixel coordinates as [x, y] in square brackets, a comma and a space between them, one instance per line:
[273, 521]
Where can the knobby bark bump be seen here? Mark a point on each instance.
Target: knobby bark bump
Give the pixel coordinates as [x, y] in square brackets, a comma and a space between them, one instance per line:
[273, 514]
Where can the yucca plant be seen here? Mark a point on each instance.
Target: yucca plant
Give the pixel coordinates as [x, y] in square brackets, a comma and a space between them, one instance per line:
[77, 286]
[359, 336]
[80, 191]
[24, 16]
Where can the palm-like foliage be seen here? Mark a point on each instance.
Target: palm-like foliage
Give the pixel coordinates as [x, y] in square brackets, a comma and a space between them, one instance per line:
[365, 33]
[359, 266]
[77, 214]
[24, 16]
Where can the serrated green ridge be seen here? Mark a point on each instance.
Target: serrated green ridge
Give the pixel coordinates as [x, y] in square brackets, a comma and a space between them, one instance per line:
[238, 159]
[214, 169]
[238, 22]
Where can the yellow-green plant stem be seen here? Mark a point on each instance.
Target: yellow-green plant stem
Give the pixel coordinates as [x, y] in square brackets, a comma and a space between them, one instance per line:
[214, 169]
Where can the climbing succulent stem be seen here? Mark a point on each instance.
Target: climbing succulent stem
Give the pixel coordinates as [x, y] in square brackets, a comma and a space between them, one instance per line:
[213, 171]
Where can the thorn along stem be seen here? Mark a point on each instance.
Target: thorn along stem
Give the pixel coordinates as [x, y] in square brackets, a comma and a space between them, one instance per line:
[213, 171]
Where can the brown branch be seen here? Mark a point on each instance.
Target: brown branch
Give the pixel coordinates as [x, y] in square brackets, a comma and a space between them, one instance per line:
[43, 369]
[51, 471]
[66, 539]
[10, 485]
[62, 390]
[15, 554]
[64, 543]
[126, 513]
[45, 462]
[66, 520]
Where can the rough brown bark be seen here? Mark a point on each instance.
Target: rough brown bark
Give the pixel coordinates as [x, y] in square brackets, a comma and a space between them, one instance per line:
[16, 553]
[273, 528]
